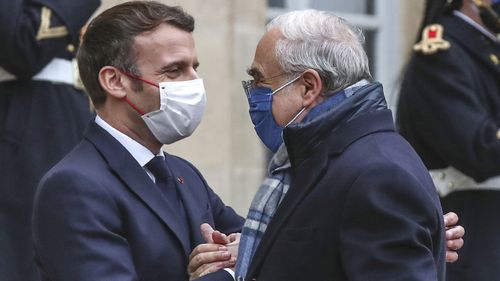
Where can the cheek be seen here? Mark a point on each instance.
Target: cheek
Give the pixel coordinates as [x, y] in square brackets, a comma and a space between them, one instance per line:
[277, 110]
[282, 109]
[151, 100]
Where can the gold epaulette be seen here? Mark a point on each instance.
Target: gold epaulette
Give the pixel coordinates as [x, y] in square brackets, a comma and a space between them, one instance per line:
[432, 40]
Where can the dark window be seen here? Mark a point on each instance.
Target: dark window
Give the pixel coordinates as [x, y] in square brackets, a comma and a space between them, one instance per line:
[370, 36]
[343, 6]
[276, 3]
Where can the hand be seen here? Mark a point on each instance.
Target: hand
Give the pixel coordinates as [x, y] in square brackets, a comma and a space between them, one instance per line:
[216, 254]
[208, 258]
[213, 236]
[454, 236]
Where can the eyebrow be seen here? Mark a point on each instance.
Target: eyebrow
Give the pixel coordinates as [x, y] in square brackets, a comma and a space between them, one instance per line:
[179, 63]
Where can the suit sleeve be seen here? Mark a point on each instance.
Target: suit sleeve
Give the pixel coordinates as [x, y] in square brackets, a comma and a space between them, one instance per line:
[446, 112]
[226, 220]
[77, 232]
[390, 228]
[34, 32]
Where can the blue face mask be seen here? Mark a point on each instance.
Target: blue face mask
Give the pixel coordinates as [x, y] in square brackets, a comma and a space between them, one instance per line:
[260, 100]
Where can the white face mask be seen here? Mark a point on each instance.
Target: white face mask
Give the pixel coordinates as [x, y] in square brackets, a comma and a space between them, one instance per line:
[182, 105]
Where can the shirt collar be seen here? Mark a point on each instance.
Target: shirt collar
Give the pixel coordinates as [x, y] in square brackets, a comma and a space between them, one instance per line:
[140, 153]
[476, 25]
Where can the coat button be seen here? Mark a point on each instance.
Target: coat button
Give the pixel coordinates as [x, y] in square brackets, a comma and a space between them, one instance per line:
[451, 184]
[70, 48]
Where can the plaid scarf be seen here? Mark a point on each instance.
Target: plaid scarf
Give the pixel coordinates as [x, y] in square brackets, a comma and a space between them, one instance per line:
[264, 204]
[274, 188]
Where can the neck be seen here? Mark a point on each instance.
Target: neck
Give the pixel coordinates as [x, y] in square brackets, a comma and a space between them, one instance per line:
[472, 11]
[136, 129]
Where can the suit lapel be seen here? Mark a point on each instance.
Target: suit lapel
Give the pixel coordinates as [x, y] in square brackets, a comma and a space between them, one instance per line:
[136, 179]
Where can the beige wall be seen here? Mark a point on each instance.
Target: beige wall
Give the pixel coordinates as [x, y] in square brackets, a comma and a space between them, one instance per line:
[410, 20]
[224, 147]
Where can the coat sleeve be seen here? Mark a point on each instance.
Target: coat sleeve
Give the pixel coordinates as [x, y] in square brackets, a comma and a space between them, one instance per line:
[33, 32]
[77, 232]
[442, 94]
[390, 229]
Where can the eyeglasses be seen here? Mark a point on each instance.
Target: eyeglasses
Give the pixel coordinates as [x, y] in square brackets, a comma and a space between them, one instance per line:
[248, 85]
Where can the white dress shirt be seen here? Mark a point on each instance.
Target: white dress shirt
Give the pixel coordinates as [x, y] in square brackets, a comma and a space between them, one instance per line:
[140, 153]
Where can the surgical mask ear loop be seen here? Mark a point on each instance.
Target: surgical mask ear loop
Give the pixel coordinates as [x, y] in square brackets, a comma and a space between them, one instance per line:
[285, 85]
[295, 117]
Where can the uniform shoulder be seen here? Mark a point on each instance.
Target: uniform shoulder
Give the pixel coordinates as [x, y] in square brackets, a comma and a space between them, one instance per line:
[432, 40]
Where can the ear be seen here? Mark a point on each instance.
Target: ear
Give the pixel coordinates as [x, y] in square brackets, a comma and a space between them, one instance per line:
[112, 81]
[313, 88]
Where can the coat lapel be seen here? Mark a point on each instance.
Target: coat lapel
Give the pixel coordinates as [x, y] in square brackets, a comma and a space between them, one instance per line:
[299, 188]
[136, 179]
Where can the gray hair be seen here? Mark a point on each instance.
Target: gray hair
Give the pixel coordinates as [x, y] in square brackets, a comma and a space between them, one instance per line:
[321, 41]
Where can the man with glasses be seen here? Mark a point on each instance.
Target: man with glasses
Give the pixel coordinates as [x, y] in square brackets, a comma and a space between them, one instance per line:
[346, 197]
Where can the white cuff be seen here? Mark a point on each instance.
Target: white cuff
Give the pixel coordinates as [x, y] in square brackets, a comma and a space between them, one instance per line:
[230, 272]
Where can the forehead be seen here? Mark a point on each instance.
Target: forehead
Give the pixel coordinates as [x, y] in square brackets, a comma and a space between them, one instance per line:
[265, 62]
[164, 44]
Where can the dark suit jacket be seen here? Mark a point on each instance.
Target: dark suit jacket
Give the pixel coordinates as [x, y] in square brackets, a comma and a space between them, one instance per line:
[98, 216]
[40, 121]
[361, 205]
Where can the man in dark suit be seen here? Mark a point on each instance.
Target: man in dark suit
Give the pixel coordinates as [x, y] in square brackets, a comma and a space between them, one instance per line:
[43, 112]
[449, 110]
[346, 198]
[117, 207]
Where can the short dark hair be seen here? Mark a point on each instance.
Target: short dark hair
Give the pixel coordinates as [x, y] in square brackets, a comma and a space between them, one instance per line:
[109, 39]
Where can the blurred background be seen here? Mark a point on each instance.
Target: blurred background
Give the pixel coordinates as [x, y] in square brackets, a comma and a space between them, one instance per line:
[224, 147]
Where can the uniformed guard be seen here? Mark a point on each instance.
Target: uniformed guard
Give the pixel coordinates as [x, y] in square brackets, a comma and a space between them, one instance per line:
[449, 110]
[43, 112]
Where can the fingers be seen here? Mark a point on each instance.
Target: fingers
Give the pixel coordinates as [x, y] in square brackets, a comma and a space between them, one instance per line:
[451, 256]
[205, 248]
[205, 254]
[212, 267]
[454, 245]
[206, 232]
[234, 237]
[219, 238]
[450, 219]
[456, 232]
[454, 237]
[454, 242]
[208, 258]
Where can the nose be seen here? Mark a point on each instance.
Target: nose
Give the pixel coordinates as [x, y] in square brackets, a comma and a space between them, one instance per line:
[193, 74]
